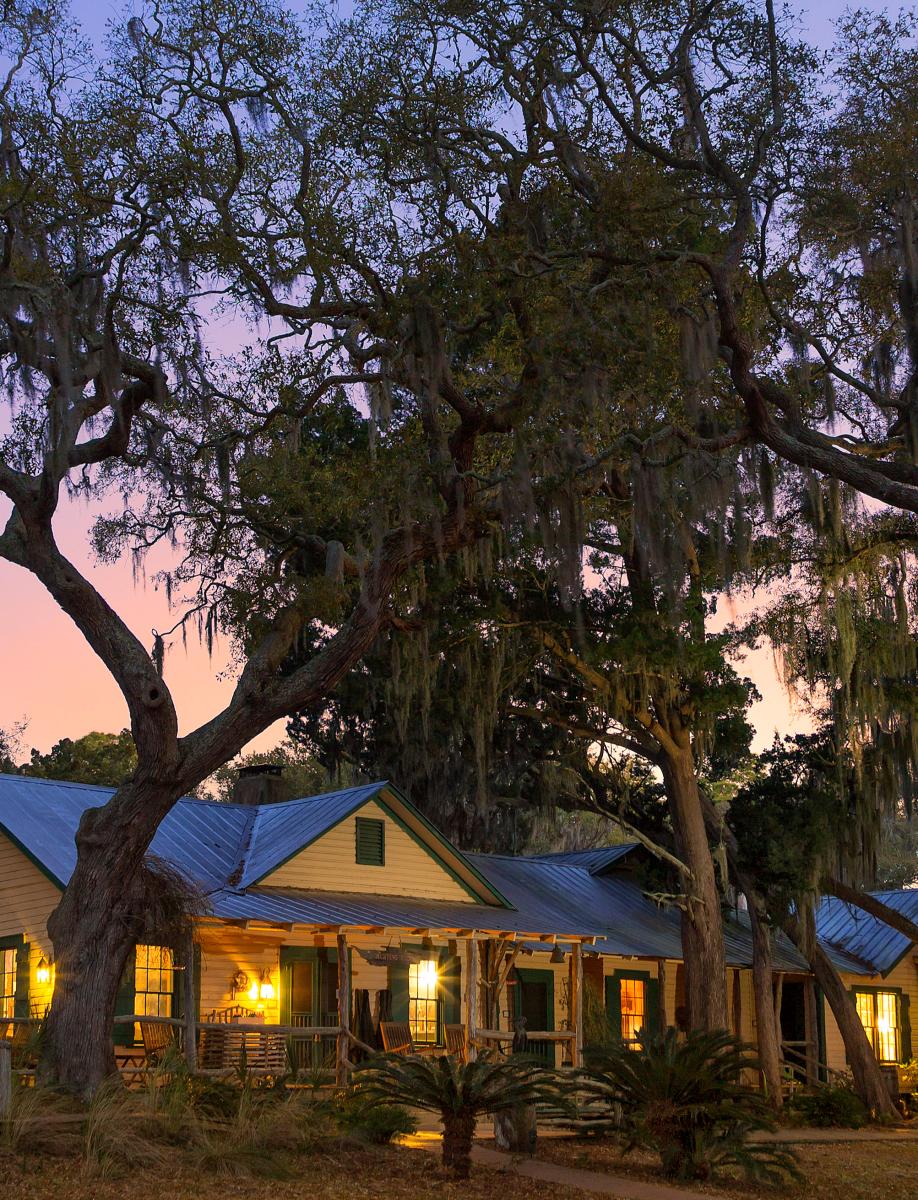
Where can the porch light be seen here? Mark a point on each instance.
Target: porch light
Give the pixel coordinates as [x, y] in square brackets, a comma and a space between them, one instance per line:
[43, 971]
[557, 955]
[266, 987]
[253, 990]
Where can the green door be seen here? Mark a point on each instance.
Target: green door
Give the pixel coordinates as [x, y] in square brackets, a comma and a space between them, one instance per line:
[309, 997]
[534, 999]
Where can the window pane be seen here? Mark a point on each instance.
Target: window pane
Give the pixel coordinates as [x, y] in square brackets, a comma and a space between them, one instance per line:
[633, 1007]
[887, 1027]
[423, 1004]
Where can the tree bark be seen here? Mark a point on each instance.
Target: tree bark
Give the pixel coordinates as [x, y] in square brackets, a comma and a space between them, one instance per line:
[702, 921]
[766, 1025]
[876, 908]
[868, 1079]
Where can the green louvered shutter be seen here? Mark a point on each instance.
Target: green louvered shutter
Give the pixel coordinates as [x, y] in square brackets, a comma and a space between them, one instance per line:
[371, 842]
[398, 986]
[652, 1006]
[123, 1034]
[614, 1006]
[21, 1002]
[905, 1028]
[451, 987]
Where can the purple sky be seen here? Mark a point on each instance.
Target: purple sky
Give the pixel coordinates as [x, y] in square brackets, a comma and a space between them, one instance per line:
[48, 676]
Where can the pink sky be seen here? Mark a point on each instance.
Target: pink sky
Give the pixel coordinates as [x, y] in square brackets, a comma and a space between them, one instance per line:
[50, 678]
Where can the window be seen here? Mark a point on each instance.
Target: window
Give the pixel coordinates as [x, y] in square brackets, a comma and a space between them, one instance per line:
[423, 1005]
[634, 995]
[154, 982]
[879, 1013]
[8, 982]
[371, 842]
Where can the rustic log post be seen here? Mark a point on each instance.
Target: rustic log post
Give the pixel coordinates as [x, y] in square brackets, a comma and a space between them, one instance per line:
[576, 1013]
[661, 994]
[344, 1012]
[190, 1003]
[812, 1033]
[471, 996]
[6, 1077]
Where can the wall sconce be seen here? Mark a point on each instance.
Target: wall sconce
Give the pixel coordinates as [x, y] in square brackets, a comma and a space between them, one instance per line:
[43, 971]
[266, 987]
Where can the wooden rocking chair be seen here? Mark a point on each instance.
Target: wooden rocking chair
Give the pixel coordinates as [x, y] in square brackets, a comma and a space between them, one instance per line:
[396, 1037]
[457, 1042]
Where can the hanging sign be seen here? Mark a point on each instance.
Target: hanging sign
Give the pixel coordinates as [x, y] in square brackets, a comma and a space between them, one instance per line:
[391, 956]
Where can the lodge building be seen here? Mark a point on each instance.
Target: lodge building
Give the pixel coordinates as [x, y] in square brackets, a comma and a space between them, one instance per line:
[433, 937]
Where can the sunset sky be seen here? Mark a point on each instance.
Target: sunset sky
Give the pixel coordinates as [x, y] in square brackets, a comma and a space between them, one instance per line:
[48, 676]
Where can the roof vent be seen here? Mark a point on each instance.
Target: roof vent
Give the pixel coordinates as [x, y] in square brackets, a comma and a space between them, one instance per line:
[261, 783]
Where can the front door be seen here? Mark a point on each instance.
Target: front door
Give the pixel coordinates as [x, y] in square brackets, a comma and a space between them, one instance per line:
[309, 997]
[534, 999]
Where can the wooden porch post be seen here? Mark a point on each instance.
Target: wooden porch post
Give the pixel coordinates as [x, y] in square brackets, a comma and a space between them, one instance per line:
[471, 996]
[189, 1001]
[661, 993]
[344, 1012]
[576, 1013]
[812, 1032]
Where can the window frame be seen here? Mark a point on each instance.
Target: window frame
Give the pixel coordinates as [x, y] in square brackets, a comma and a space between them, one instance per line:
[168, 972]
[365, 823]
[17, 944]
[436, 1000]
[873, 1031]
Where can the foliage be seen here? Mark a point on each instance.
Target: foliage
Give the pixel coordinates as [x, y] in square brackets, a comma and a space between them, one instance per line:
[830, 1105]
[302, 774]
[106, 759]
[458, 1092]
[370, 1121]
[684, 1099]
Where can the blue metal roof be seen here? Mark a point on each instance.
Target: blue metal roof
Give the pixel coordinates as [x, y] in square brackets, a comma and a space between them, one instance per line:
[595, 860]
[228, 848]
[849, 929]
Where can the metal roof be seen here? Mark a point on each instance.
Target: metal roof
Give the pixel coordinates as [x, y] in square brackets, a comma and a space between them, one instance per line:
[849, 929]
[228, 848]
[595, 860]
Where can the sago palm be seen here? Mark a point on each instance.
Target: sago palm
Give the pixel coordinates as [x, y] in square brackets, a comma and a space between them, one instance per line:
[458, 1092]
[685, 1099]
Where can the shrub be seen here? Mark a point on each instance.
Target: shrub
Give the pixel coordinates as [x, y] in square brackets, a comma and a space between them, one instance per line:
[684, 1100]
[370, 1121]
[831, 1105]
[458, 1092]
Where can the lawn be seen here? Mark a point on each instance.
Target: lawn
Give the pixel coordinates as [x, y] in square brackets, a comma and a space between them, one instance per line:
[841, 1171]
[383, 1173]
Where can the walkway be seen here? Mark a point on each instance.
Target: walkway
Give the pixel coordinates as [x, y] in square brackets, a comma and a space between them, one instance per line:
[597, 1183]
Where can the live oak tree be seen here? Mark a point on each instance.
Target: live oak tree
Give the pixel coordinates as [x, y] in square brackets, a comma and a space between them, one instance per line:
[207, 185]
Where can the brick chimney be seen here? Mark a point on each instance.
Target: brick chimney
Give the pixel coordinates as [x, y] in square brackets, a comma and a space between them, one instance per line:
[259, 784]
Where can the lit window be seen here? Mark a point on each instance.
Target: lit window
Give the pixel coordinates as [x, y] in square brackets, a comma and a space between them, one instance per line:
[633, 1008]
[423, 1006]
[154, 981]
[7, 983]
[879, 1013]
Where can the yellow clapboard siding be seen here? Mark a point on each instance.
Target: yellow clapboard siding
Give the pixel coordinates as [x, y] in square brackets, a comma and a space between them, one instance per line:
[27, 899]
[330, 865]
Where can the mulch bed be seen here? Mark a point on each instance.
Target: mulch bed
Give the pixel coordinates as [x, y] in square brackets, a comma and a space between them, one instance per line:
[383, 1173]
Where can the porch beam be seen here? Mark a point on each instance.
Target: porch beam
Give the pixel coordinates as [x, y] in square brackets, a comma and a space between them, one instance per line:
[189, 1002]
[471, 996]
[344, 1012]
[577, 1004]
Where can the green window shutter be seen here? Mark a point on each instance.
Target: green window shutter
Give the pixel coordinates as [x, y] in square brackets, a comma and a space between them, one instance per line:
[370, 837]
[905, 1028]
[124, 1003]
[451, 987]
[21, 1003]
[652, 1006]
[614, 1006]
[398, 986]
